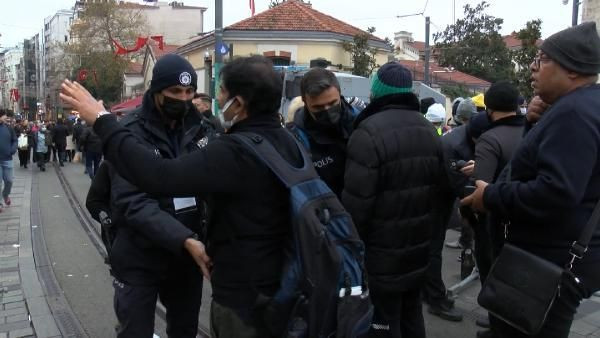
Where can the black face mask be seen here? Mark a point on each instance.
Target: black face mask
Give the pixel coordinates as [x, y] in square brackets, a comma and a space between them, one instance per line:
[175, 109]
[329, 117]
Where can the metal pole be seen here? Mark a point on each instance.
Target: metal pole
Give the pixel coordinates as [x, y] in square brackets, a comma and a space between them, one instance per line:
[575, 12]
[218, 44]
[427, 51]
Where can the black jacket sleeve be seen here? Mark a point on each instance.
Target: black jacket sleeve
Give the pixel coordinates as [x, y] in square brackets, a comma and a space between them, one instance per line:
[564, 169]
[142, 213]
[98, 197]
[214, 168]
[361, 179]
[487, 153]
[455, 178]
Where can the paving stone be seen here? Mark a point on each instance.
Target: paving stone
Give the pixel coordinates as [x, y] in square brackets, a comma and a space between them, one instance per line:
[13, 293]
[6, 300]
[14, 326]
[21, 333]
[14, 305]
[582, 328]
[12, 312]
[3, 335]
[38, 306]
[17, 318]
[45, 326]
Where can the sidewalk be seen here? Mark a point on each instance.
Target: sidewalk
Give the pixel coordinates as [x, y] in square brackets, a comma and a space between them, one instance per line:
[24, 311]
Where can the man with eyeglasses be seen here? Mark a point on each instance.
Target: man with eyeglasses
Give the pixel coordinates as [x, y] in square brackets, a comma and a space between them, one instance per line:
[554, 181]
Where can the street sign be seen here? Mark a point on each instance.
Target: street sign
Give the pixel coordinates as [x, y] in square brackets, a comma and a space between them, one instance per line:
[223, 49]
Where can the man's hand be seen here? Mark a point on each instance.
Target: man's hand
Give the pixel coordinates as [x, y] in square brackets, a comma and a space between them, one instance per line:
[198, 253]
[468, 168]
[536, 109]
[81, 100]
[475, 200]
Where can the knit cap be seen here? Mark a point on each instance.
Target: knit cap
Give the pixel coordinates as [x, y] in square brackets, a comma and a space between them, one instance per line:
[502, 96]
[391, 78]
[576, 48]
[466, 109]
[172, 70]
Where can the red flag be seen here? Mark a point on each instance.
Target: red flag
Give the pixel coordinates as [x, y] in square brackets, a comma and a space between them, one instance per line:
[14, 94]
[159, 39]
[120, 49]
[83, 73]
[252, 7]
[141, 42]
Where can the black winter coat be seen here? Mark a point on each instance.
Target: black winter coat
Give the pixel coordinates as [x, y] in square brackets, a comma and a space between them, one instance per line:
[150, 231]
[327, 145]
[251, 216]
[555, 183]
[90, 141]
[457, 146]
[393, 173]
[59, 134]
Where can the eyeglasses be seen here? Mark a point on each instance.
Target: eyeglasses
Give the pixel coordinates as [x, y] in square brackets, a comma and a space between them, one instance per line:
[537, 61]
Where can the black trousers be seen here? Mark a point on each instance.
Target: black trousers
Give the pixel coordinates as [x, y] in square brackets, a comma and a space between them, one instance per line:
[397, 315]
[24, 157]
[180, 293]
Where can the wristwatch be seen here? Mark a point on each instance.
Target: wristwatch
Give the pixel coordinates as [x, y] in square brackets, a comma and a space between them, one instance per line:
[100, 113]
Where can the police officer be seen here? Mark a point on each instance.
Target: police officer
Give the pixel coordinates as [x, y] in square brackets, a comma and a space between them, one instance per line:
[148, 258]
[324, 125]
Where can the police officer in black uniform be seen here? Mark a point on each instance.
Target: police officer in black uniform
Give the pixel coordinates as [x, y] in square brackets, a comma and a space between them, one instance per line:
[147, 257]
[324, 125]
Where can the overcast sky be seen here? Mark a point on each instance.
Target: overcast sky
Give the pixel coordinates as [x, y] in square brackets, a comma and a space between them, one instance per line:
[22, 19]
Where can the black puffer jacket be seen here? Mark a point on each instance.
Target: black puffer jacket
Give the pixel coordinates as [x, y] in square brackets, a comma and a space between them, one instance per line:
[393, 173]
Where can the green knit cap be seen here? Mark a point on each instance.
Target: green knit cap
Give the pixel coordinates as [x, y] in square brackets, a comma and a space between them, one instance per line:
[391, 78]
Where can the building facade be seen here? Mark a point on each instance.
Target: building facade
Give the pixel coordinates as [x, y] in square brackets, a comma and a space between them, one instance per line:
[53, 67]
[11, 79]
[591, 12]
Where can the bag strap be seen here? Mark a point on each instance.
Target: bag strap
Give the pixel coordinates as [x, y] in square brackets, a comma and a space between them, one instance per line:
[579, 247]
[266, 152]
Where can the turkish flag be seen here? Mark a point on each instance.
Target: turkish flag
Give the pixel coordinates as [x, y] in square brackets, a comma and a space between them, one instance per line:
[141, 42]
[120, 49]
[159, 39]
[83, 73]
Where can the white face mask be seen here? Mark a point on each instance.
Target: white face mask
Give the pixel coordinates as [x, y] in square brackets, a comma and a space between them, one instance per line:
[523, 110]
[225, 123]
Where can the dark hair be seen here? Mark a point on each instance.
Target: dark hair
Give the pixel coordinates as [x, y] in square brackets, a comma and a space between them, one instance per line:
[426, 103]
[203, 97]
[316, 81]
[254, 79]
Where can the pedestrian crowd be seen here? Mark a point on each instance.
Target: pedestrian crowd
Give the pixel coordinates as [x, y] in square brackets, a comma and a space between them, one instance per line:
[182, 194]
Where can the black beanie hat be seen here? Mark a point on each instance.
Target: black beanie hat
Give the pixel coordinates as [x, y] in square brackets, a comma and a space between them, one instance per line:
[502, 96]
[576, 49]
[172, 70]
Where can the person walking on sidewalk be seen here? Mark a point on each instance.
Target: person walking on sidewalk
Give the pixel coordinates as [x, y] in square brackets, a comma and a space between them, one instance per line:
[8, 147]
[40, 147]
[60, 133]
[92, 145]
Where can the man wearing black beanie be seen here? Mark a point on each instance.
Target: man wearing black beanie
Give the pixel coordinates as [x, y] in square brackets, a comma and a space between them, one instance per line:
[147, 256]
[554, 180]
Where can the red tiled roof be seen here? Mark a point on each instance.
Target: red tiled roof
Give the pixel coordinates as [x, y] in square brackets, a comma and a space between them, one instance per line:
[418, 45]
[134, 68]
[294, 15]
[512, 41]
[441, 74]
[158, 53]
[127, 105]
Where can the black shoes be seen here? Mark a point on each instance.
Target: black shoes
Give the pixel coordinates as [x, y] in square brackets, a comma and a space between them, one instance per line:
[445, 310]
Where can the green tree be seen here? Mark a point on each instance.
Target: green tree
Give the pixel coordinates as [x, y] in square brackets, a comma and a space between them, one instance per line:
[473, 45]
[91, 47]
[523, 56]
[363, 56]
[454, 91]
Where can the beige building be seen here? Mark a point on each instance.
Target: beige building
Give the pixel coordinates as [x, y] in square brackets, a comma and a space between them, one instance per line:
[292, 33]
[591, 12]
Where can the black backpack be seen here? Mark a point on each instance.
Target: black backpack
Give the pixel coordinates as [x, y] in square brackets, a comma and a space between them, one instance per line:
[324, 282]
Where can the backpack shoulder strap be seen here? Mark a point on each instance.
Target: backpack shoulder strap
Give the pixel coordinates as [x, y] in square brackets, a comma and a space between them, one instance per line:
[300, 134]
[267, 153]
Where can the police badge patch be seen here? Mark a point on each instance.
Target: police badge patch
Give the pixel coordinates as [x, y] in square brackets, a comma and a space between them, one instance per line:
[202, 142]
[185, 79]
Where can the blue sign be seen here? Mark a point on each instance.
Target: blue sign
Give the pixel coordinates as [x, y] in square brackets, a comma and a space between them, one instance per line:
[223, 49]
